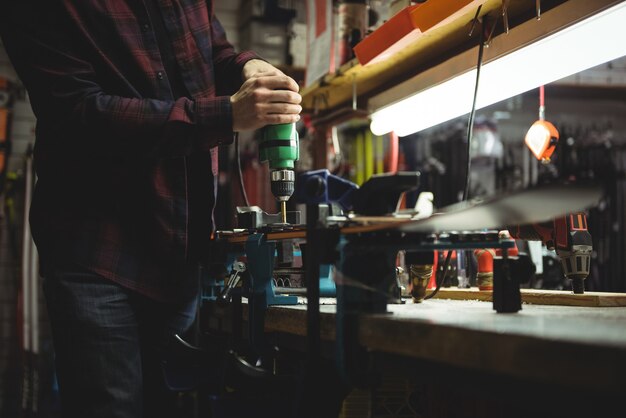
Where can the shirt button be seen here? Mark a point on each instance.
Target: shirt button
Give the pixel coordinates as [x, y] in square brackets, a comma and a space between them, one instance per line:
[145, 27]
[160, 75]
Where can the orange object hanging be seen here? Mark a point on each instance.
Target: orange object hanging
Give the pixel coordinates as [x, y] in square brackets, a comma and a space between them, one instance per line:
[542, 136]
[541, 139]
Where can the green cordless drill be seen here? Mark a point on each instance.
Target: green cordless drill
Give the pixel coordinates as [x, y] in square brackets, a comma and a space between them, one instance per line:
[279, 146]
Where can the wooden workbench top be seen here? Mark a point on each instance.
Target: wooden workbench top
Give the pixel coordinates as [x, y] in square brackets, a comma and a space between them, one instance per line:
[602, 326]
[564, 345]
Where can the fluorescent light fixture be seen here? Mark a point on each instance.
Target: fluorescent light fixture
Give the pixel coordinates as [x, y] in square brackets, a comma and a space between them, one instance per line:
[588, 43]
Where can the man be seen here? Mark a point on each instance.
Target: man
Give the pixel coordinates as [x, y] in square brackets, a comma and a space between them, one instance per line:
[132, 97]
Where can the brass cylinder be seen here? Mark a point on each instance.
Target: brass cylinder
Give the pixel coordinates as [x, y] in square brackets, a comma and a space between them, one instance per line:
[419, 276]
[485, 280]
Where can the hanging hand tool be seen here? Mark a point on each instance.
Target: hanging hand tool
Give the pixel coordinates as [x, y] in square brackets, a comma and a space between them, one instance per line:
[279, 146]
[568, 235]
[542, 136]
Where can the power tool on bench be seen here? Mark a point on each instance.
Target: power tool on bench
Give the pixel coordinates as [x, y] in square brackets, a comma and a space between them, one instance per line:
[279, 146]
[570, 238]
[567, 235]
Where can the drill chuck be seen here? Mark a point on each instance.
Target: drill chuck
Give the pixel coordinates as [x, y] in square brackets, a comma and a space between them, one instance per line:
[282, 184]
[576, 265]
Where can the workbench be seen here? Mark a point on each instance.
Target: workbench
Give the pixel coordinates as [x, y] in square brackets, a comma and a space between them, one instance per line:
[543, 360]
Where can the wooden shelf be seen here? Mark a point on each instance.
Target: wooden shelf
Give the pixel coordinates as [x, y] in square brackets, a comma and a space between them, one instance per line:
[541, 297]
[335, 90]
[442, 53]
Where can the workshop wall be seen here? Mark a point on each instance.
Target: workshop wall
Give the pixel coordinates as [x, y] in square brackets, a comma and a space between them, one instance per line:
[227, 13]
[23, 119]
[22, 134]
[6, 69]
[592, 144]
[8, 287]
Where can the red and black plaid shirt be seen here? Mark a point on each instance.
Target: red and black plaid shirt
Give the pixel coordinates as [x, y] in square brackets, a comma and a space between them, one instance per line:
[115, 142]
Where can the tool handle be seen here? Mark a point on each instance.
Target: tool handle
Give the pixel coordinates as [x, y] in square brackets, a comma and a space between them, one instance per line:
[232, 281]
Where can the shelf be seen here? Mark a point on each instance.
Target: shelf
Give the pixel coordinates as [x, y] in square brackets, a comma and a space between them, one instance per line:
[335, 90]
[436, 48]
[541, 297]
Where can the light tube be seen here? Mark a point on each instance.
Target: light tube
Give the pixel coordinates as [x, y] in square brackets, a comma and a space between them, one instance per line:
[591, 42]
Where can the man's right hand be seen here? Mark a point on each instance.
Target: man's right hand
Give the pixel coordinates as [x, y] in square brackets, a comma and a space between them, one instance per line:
[266, 99]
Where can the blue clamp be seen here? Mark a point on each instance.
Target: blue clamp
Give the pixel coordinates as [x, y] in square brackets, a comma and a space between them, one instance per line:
[260, 257]
[322, 187]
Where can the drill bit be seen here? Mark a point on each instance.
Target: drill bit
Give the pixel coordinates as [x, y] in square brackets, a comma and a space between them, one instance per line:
[283, 211]
[282, 188]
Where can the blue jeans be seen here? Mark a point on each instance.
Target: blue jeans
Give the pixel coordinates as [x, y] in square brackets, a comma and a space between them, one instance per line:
[109, 344]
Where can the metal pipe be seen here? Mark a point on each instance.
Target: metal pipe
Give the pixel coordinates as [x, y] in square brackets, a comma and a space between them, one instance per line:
[288, 270]
[300, 291]
[26, 255]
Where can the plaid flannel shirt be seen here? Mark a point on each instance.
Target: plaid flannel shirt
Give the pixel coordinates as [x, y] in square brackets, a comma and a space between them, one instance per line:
[113, 144]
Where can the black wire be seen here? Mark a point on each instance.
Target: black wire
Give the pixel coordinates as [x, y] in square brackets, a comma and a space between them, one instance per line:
[446, 265]
[470, 123]
[470, 133]
[242, 187]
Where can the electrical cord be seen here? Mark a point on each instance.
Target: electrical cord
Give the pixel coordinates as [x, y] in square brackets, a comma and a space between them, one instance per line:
[470, 133]
[470, 123]
[242, 187]
[446, 265]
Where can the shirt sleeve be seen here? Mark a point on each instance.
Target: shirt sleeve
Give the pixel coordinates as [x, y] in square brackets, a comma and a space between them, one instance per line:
[70, 102]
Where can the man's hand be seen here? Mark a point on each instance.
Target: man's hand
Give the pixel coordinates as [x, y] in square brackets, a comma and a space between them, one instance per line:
[266, 97]
[258, 67]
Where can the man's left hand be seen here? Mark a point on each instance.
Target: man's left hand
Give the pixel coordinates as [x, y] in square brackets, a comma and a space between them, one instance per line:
[259, 68]
[267, 96]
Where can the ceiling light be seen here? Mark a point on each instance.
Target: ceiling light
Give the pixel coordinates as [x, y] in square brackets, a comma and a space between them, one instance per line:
[588, 43]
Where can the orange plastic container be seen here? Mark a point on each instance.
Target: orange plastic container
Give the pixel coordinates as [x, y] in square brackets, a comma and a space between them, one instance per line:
[406, 26]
